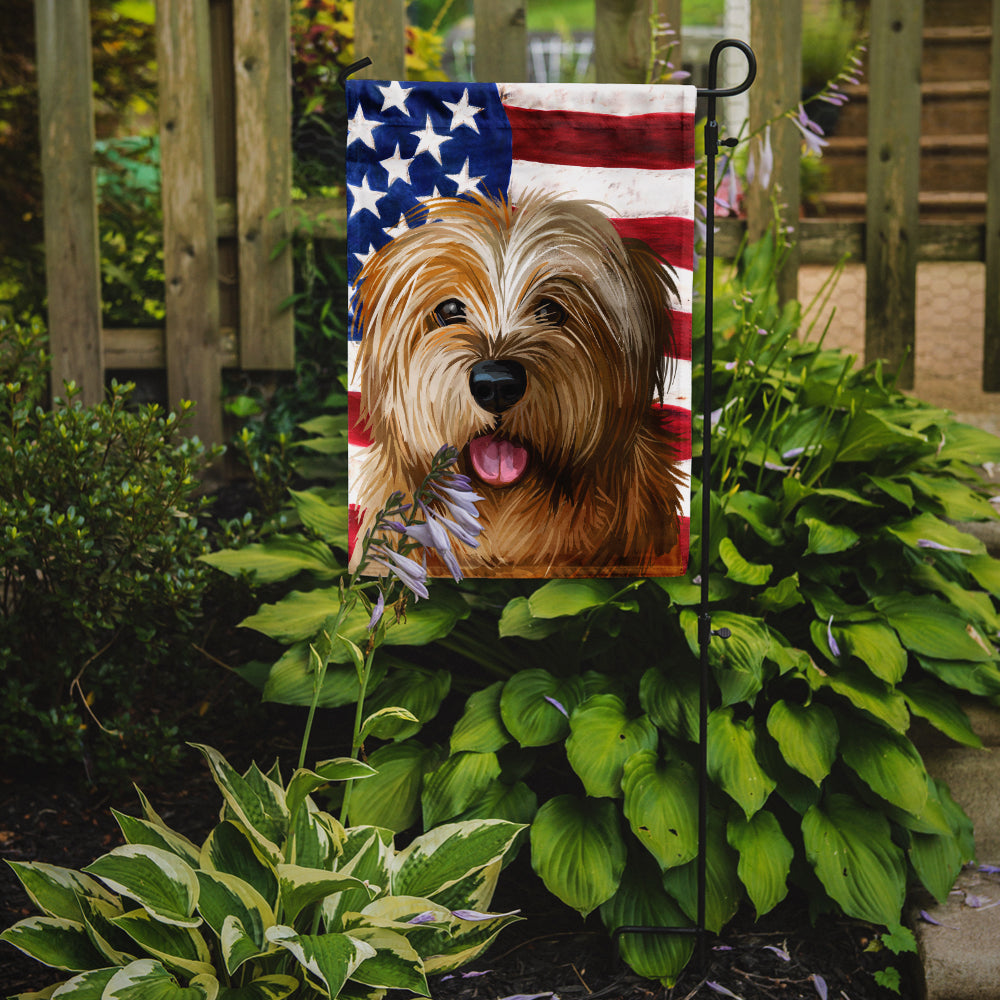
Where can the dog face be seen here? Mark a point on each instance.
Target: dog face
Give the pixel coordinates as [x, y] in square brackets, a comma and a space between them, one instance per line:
[532, 338]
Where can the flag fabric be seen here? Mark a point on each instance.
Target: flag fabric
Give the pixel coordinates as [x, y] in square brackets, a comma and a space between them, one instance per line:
[628, 147]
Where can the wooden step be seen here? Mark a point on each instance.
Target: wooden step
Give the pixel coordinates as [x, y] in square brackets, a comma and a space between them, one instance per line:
[947, 162]
[956, 53]
[944, 104]
[940, 13]
[958, 206]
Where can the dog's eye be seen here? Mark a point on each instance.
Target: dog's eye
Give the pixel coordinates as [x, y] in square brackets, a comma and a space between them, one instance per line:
[550, 313]
[450, 311]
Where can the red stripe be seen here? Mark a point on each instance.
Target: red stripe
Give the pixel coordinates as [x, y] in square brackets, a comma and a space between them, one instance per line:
[586, 139]
[669, 236]
[676, 422]
[357, 433]
[681, 324]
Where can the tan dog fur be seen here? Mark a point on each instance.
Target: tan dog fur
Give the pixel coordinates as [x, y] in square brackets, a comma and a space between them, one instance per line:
[601, 493]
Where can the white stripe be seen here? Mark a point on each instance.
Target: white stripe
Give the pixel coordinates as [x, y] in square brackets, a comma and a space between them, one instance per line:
[684, 279]
[629, 193]
[605, 99]
[679, 391]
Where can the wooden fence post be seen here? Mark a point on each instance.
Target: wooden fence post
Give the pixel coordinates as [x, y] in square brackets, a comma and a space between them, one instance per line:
[72, 255]
[893, 183]
[501, 41]
[622, 40]
[262, 61]
[190, 251]
[776, 35]
[991, 333]
[380, 34]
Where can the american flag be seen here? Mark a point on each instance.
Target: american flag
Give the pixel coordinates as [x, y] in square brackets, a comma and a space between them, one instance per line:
[630, 148]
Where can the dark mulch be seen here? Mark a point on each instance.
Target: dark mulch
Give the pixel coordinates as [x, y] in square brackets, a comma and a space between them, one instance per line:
[551, 951]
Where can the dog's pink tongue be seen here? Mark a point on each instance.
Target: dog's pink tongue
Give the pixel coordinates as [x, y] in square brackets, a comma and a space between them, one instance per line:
[497, 461]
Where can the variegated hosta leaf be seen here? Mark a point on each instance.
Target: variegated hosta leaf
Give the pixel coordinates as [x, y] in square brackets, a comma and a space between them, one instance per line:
[457, 784]
[481, 727]
[54, 941]
[807, 736]
[732, 760]
[56, 891]
[367, 853]
[256, 801]
[147, 979]
[304, 782]
[238, 944]
[602, 737]
[328, 959]
[441, 857]
[275, 987]
[224, 897]
[87, 986]
[661, 799]
[315, 838]
[468, 939]
[158, 880]
[578, 851]
[300, 887]
[177, 947]
[765, 858]
[395, 964]
[642, 902]
[141, 831]
[230, 849]
[850, 847]
[475, 891]
[116, 946]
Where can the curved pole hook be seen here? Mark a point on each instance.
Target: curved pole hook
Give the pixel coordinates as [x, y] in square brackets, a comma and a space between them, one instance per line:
[352, 68]
[713, 69]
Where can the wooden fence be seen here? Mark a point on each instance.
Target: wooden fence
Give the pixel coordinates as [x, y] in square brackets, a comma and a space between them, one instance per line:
[226, 160]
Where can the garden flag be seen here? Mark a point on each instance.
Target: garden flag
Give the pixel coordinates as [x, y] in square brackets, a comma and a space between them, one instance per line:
[520, 274]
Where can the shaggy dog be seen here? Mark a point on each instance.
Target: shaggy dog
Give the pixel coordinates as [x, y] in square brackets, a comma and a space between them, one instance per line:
[533, 339]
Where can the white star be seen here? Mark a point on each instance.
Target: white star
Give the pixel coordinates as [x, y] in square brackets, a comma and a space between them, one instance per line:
[360, 128]
[397, 167]
[363, 257]
[429, 141]
[463, 180]
[463, 113]
[430, 197]
[364, 197]
[395, 97]
[399, 228]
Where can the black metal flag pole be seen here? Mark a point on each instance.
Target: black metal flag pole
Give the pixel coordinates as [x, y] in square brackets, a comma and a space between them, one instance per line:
[705, 631]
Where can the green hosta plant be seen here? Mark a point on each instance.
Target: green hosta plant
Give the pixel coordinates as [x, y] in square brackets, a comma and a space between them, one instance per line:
[279, 900]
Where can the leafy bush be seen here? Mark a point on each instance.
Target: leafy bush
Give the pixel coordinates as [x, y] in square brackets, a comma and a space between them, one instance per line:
[99, 539]
[279, 899]
[854, 603]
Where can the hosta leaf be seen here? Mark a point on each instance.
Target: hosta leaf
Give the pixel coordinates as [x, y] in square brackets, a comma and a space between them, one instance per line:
[976, 678]
[602, 738]
[723, 889]
[732, 760]
[330, 959]
[783, 595]
[327, 520]
[366, 855]
[827, 539]
[517, 620]
[180, 948]
[559, 598]
[391, 798]
[147, 979]
[390, 723]
[870, 435]
[280, 557]
[456, 784]
[928, 528]
[937, 859]
[975, 605]
[739, 569]
[225, 897]
[304, 782]
[415, 689]
[98, 915]
[965, 443]
[441, 857]
[931, 628]
[230, 849]
[864, 691]
[661, 799]
[141, 831]
[274, 987]
[641, 901]
[738, 661]
[466, 941]
[578, 851]
[888, 763]
[395, 964]
[516, 803]
[941, 709]
[671, 700]
[54, 941]
[301, 887]
[957, 501]
[530, 706]
[986, 571]
[758, 511]
[159, 881]
[56, 891]
[850, 848]
[87, 986]
[876, 646]
[292, 681]
[807, 736]
[481, 728]
[765, 858]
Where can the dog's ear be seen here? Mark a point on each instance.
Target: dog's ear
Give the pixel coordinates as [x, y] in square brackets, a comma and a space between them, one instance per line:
[655, 284]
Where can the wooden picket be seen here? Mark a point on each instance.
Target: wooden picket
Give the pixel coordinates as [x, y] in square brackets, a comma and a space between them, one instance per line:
[226, 160]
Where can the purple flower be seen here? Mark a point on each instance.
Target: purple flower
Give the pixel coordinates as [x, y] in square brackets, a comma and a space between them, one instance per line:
[719, 988]
[433, 537]
[427, 917]
[820, 983]
[834, 648]
[558, 705]
[411, 574]
[475, 915]
[377, 612]
[927, 543]
[811, 132]
[459, 503]
[780, 952]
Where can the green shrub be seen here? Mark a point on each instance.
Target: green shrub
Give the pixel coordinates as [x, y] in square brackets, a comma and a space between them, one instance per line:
[279, 900]
[854, 602]
[99, 539]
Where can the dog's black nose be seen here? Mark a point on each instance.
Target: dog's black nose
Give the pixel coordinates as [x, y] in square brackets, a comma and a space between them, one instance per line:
[497, 385]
